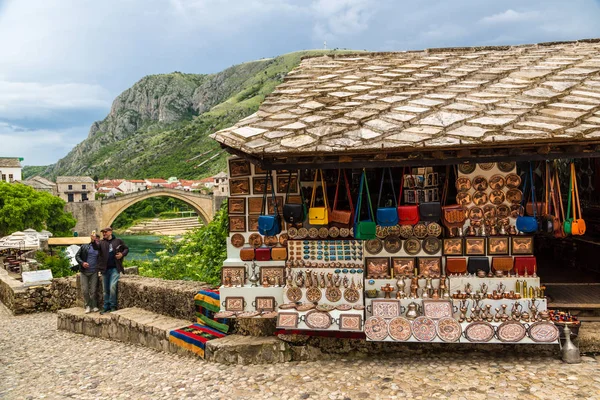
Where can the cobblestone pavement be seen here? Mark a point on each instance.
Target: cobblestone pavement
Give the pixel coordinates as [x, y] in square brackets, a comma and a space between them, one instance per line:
[37, 361]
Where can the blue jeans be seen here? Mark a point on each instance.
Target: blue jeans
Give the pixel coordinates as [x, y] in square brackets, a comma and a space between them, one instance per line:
[110, 279]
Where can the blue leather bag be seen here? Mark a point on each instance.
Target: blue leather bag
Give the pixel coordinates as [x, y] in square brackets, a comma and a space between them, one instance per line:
[269, 225]
[387, 216]
[528, 224]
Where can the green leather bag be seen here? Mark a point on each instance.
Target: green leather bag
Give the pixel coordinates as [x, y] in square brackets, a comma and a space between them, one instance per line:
[367, 229]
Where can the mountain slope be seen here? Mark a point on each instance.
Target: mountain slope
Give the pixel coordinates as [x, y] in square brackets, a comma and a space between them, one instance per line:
[164, 120]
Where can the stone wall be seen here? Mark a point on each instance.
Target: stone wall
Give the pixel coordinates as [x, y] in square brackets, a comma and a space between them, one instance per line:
[88, 215]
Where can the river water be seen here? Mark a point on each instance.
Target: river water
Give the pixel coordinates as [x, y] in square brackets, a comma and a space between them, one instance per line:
[142, 247]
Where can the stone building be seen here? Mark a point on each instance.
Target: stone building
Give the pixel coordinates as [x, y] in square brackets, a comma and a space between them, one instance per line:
[41, 184]
[10, 169]
[76, 188]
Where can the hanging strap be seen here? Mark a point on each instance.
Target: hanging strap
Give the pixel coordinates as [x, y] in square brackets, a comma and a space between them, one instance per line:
[381, 188]
[264, 203]
[363, 183]
[314, 192]
[348, 193]
[524, 198]
[337, 189]
[578, 203]
[532, 190]
[570, 193]
[287, 192]
[401, 186]
[547, 190]
[369, 196]
[558, 192]
[446, 186]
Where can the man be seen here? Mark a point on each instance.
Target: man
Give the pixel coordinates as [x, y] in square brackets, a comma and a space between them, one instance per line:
[110, 263]
[87, 258]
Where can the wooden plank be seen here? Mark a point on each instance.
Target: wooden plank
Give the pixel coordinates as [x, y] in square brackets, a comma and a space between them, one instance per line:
[67, 241]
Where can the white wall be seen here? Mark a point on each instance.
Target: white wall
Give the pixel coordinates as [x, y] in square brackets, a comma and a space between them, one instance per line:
[5, 173]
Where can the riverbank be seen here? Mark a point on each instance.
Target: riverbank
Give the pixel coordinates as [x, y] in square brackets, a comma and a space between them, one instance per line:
[142, 247]
[162, 227]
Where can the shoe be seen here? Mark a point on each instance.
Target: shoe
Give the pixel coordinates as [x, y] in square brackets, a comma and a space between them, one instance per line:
[95, 309]
[88, 310]
[104, 312]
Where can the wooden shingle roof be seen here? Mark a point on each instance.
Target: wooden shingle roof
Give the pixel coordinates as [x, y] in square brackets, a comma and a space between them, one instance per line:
[438, 104]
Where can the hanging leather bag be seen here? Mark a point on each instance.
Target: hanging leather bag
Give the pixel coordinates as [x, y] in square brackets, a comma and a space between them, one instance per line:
[279, 253]
[578, 225]
[263, 253]
[269, 225]
[293, 213]
[559, 217]
[478, 263]
[367, 229]
[342, 218]
[453, 216]
[407, 215]
[529, 224]
[547, 219]
[387, 216]
[318, 215]
[526, 263]
[247, 253]
[504, 264]
[456, 265]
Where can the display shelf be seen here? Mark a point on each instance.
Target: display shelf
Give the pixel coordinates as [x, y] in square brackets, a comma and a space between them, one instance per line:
[249, 294]
[459, 282]
[236, 262]
[335, 314]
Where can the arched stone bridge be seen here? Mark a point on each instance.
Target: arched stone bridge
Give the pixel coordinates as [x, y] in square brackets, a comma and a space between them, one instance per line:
[93, 215]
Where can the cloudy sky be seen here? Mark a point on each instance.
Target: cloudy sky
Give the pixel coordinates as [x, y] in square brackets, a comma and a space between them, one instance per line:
[63, 61]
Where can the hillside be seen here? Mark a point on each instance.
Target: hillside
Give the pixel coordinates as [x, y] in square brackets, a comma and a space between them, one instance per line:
[164, 120]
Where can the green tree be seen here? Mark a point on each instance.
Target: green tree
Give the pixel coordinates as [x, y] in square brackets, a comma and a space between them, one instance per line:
[21, 207]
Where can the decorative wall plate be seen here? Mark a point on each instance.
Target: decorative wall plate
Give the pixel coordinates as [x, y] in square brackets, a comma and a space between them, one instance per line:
[489, 211]
[437, 309]
[287, 306]
[394, 230]
[224, 314]
[294, 294]
[399, 329]
[543, 332]
[463, 184]
[292, 232]
[497, 182]
[236, 274]
[358, 307]
[412, 246]
[333, 294]
[476, 214]
[305, 307]
[466, 168]
[374, 246]
[503, 211]
[238, 240]
[506, 166]
[344, 232]
[317, 320]
[392, 244]
[497, 197]
[283, 239]
[511, 331]
[255, 240]
[448, 329]
[265, 303]
[420, 230]
[376, 328]
[248, 314]
[406, 231]
[516, 210]
[386, 308]
[480, 198]
[351, 295]
[323, 232]
[287, 320]
[350, 322]
[513, 181]
[313, 294]
[486, 166]
[479, 332]
[325, 307]
[514, 196]
[334, 231]
[423, 329]
[432, 245]
[343, 307]
[480, 183]
[313, 233]
[434, 229]
[463, 198]
[270, 241]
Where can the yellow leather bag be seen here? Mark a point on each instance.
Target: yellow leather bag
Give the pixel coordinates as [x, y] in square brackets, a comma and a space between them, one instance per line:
[318, 215]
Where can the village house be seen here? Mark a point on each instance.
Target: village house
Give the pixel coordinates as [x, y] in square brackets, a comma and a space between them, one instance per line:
[76, 188]
[10, 169]
[41, 184]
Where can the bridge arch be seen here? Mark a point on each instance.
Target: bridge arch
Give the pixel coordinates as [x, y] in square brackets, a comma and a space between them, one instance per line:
[113, 207]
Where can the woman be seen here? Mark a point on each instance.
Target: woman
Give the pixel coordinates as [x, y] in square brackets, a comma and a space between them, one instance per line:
[87, 257]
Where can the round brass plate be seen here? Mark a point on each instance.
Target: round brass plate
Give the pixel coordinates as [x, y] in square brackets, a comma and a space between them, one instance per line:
[480, 198]
[420, 230]
[497, 197]
[506, 166]
[238, 240]
[463, 198]
[513, 181]
[255, 240]
[271, 241]
[302, 233]
[323, 233]
[406, 231]
[486, 166]
[463, 184]
[392, 244]
[374, 246]
[489, 211]
[292, 232]
[283, 239]
[313, 233]
[514, 196]
[480, 183]
[434, 229]
[412, 246]
[497, 182]
[466, 168]
[476, 214]
[503, 211]
[432, 245]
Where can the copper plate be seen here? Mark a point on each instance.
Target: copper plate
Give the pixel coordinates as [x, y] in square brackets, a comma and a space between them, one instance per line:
[511, 331]
[351, 295]
[506, 166]
[376, 328]
[343, 307]
[255, 240]
[302, 233]
[271, 241]
[497, 182]
[333, 294]
[432, 245]
[323, 233]
[334, 231]
[490, 221]
[283, 239]
[448, 329]
[497, 197]
[317, 320]
[423, 329]
[513, 181]
[486, 166]
[480, 198]
[374, 246]
[463, 198]
[392, 244]
[399, 329]
[479, 332]
[292, 232]
[503, 211]
[269, 314]
[381, 232]
[394, 230]
[238, 240]
[287, 306]
[224, 314]
[463, 184]
[466, 168]
[543, 332]
[514, 196]
[305, 307]
[420, 230]
[294, 293]
[313, 233]
[489, 211]
[480, 183]
[476, 214]
[406, 231]
[516, 210]
[412, 246]
[434, 229]
[325, 307]
[313, 294]
[344, 232]
[248, 314]
[358, 307]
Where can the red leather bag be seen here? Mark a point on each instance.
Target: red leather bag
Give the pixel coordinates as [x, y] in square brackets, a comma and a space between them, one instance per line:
[527, 263]
[263, 253]
[407, 215]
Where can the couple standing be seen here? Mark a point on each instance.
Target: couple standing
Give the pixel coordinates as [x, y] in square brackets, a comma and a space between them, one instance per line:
[104, 256]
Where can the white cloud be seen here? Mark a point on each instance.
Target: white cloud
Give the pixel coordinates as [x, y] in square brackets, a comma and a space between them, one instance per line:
[510, 16]
[335, 18]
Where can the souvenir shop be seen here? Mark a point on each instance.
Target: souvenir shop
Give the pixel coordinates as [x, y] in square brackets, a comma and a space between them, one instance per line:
[410, 254]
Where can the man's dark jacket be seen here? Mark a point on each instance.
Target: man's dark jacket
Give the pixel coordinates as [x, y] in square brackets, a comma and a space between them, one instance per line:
[118, 247]
[81, 256]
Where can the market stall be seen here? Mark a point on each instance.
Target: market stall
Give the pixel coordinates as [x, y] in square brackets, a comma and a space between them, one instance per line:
[400, 195]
